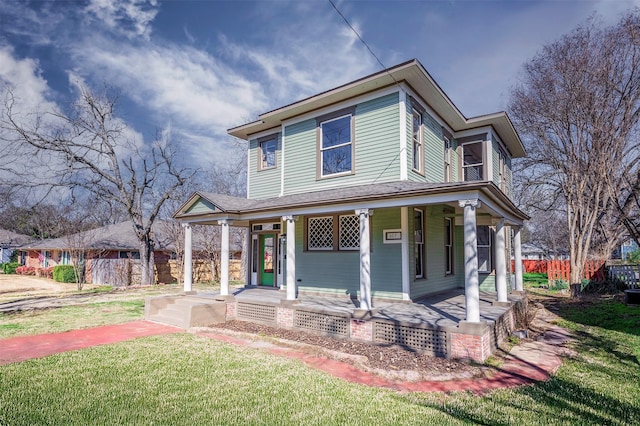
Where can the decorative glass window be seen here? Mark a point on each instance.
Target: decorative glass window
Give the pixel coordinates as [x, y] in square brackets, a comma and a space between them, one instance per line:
[484, 248]
[472, 154]
[448, 245]
[267, 154]
[447, 159]
[349, 233]
[336, 146]
[418, 239]
[417, 141]
[320, 233]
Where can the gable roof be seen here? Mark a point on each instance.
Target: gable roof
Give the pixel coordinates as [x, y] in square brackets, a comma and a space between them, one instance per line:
[12, 239]
[111, 237]
[415, 75]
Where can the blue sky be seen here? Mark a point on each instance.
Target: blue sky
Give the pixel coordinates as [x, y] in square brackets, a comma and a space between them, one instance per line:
[196, 68]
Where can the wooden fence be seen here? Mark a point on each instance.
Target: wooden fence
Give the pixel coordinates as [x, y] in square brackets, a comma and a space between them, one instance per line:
[561, 269]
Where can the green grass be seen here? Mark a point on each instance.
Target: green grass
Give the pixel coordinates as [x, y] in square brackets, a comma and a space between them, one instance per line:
[534, 279]
[187, 379]
[54, 320]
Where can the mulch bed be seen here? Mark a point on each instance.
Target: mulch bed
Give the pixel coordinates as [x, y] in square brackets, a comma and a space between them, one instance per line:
[381, 359]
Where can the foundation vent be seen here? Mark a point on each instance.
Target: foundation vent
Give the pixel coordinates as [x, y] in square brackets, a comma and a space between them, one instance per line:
[256, 313]
[421, 339]
[324, 323]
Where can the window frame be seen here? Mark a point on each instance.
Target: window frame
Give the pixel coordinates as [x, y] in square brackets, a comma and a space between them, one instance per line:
[417, 142]
[264, 140]
[418, 246]
[336, 115]
[448, 246]
[502, 170]
[336, 230]
[488, 246]
[482, 164]
[448, 148]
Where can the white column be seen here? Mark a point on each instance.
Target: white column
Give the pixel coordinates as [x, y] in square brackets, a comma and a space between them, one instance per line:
[501, 262]
[224, 257]
[365, 259]
[471, 283]
[404, 228]
[188, 258]
[517, 258]
[291, 257]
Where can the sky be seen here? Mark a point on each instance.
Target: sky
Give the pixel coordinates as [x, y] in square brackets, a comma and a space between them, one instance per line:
[196, 68]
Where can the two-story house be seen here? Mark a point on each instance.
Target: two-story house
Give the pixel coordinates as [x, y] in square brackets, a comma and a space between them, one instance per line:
[379, 190]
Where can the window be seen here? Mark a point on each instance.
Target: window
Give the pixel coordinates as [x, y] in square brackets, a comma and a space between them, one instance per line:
[447, 159]
[336, 232]
[417, 141]
[484, 249]
[320, 233]
[472, 154]
[129, 255]
[349, 232]
[66, 258]
[268, 153]
[336, 146]
[502, 170]
[418, 240]
[448, 245]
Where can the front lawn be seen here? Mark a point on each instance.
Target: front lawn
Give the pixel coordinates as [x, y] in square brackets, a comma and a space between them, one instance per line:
[187, 379]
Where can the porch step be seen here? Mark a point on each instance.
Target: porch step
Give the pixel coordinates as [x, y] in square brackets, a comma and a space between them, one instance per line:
[186, 311]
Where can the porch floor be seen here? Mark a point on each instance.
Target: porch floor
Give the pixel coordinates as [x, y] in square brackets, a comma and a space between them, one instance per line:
[443, 310]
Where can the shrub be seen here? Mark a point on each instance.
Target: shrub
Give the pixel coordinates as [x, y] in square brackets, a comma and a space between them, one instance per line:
[26, 270]
[10, 268]
[64, 274]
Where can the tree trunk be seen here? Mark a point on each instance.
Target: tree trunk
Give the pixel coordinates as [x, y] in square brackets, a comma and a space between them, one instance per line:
[147, 264]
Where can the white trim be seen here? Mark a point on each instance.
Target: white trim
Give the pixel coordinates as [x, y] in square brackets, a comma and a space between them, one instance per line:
[404, 226]
[402, 106]
[341, 105]
[282, 138]
[365, 259]
[473, 132]
[249, 167]
[253, 262]
[188, 258]
[501, 261]
[224, 256]
[471, 282]
[291, 256]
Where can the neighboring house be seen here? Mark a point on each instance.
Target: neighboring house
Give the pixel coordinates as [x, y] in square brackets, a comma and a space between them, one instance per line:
[9, 241]
[625, 249]
[100, 247]
[380, 189]
[536, 252]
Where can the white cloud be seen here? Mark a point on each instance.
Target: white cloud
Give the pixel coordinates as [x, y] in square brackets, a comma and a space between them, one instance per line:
[130, 17]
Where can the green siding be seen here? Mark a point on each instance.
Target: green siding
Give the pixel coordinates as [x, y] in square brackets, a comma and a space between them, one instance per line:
[487, 282]
[264, 183]
[338, 273]
[433, 144]
[201, 206]
[495, 157]
[455, 161]
[436, 280]
[376, 140]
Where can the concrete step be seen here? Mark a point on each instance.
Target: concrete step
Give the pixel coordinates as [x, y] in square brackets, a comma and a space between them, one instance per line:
[169, 320]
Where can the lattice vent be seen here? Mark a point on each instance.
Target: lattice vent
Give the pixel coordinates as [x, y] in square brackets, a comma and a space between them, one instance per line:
[320, 233]
[256, 312]
[349, 232]
[331, 324]
[412, 337]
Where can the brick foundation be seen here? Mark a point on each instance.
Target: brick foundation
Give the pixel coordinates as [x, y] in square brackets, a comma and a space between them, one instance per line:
[361, 330]
[232, 310]
[285, 317]
[474, 345]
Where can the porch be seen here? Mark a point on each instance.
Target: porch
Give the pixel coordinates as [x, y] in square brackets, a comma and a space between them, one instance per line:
[435, 324]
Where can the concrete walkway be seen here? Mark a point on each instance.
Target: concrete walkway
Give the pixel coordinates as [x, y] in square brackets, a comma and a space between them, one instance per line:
[527, 363]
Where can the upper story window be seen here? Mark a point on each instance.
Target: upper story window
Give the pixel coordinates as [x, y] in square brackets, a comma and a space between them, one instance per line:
[417, 142]
[447, 158]
[336, 146]
[267, 153]
[502, 170]
[473, 161]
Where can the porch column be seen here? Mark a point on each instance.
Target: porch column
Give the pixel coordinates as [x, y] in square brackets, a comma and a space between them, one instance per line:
[188, 258]
[517, 258]
[291, 256]
[365, 259]
[471, 284]
[501, 263]
[224, 257]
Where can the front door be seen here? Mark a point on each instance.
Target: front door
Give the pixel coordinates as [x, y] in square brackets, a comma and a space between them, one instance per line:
[267, 261]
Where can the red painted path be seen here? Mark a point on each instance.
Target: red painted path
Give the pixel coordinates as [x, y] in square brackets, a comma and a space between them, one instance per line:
[527, 363]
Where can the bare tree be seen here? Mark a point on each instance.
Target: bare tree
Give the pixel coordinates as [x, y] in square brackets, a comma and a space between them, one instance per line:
[90, 150]
[577, 109]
